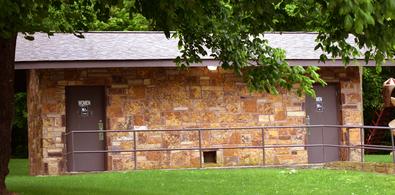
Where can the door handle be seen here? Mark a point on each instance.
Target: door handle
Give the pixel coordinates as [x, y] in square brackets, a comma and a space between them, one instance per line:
[101, 127]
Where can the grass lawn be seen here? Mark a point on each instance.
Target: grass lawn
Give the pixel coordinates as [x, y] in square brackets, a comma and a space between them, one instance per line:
[225, 181]
[386, 158]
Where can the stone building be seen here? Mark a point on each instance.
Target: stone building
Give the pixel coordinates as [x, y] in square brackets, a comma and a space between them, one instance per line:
[128, 80]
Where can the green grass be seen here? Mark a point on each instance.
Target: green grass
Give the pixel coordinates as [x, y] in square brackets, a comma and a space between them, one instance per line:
[19, 167]
[385, 158]
[224, 181]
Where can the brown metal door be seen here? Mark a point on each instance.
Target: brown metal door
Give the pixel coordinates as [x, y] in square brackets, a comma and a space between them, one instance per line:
[323, 110]
[85, 111]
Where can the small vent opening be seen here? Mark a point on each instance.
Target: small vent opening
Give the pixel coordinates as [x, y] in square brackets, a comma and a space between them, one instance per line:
[210, 156]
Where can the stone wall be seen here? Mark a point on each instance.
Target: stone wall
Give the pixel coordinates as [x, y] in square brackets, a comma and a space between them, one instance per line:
[165, 98]
[351, 111]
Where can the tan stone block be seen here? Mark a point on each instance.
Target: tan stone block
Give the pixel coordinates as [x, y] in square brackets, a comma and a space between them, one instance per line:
[265, 108]
[234, 107]
[195, 92]
[172, 118]
[264, 118]
[285, 159]
[296, 113]
[279, 114]
[53, 168]
[212, 88]
[353, 98]
[246, 118]
[134, 107]
[147, 81]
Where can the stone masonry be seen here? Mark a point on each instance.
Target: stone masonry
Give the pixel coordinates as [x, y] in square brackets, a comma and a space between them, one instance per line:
[166, 98]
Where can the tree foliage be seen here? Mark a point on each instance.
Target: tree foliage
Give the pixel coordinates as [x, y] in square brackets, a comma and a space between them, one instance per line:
[122, 18]
[232, 32]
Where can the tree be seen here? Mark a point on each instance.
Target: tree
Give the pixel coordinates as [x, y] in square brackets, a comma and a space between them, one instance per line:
[229, 30]
[29, 16]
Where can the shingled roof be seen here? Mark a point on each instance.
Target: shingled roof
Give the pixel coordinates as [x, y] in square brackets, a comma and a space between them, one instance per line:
[137, 46]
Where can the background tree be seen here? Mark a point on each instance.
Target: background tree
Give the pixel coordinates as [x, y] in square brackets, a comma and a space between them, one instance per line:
[231, 31]
[122, 18]
[374, 112]
[19, 127]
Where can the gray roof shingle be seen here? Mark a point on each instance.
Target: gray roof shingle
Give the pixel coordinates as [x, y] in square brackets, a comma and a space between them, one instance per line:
[137, 46]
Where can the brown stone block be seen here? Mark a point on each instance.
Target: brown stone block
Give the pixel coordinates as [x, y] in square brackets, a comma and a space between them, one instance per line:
[115, 111]
[250, 105]
[351, 107]
[117, 91]
[284, 137]
[230, 152]
[349, 85]
[204, 81]
[154, 156]
[53, 108]
[235, 138]
[209, 117]
[137, 92]
[142, 138]
[195, 162]
[138, 120]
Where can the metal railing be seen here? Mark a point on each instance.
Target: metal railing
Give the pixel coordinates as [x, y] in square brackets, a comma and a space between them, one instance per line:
[263, 129]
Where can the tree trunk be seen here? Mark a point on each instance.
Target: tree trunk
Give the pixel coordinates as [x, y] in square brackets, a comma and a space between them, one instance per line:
[7, 58]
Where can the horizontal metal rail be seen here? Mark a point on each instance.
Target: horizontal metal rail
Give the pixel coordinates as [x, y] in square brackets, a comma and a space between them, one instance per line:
[200, 148]
[231, 128]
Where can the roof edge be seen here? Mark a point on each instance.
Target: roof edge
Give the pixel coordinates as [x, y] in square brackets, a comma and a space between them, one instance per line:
[167, 63]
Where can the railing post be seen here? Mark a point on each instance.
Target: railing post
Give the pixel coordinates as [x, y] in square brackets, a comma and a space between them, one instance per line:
[393, 145]
[135, 149]
[72, 150]
[348, 144]
[322, 143]
[200, 148]
[263, 147]
[362, 144]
